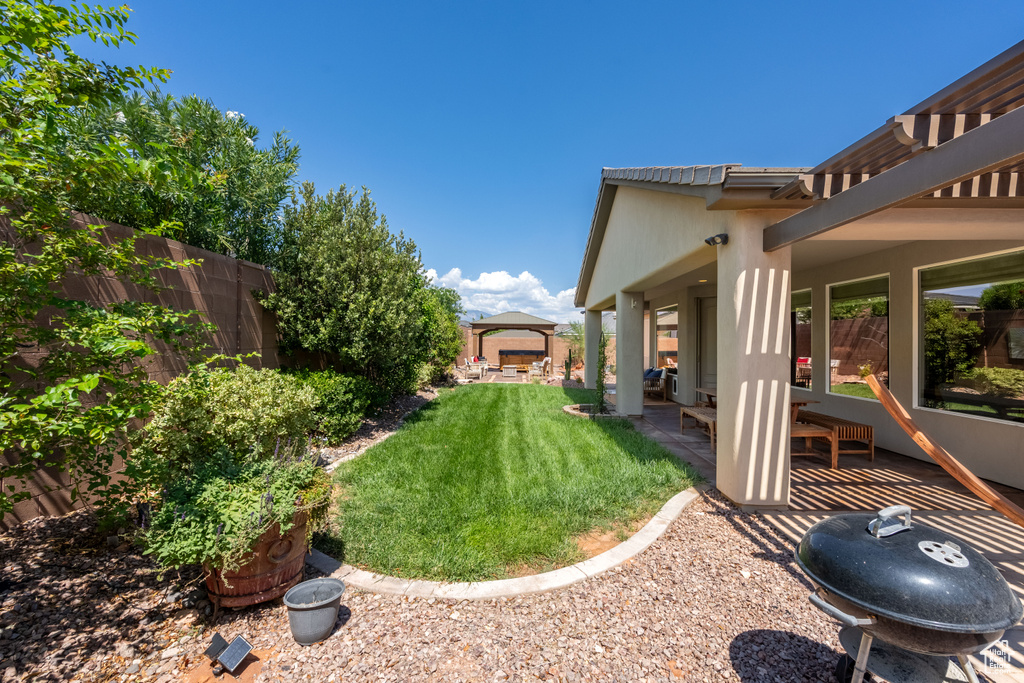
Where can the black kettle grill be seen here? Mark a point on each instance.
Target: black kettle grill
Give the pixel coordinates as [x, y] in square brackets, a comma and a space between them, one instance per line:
[922, 591]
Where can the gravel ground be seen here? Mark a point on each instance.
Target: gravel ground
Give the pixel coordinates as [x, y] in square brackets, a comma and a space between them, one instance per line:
[717, 598]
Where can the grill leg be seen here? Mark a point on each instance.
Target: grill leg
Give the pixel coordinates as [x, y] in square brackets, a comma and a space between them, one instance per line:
[862, 658]
[968, 668]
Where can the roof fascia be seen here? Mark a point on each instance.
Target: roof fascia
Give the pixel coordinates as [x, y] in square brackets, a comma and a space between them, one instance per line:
[982, 150]
[491, 327]
[1003, 60]
[602, 209]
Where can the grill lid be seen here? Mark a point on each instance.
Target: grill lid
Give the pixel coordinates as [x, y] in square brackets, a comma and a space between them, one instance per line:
[908, 572]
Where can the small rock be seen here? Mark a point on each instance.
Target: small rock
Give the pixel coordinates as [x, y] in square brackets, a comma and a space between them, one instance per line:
[170, 652]
[113, 541]
[134, 667]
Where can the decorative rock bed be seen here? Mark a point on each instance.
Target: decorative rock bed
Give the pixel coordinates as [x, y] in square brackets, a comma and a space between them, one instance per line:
[586, 410]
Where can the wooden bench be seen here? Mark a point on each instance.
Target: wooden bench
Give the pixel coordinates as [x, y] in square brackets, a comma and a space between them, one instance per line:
[706, 416]
[808, 432]
[842, 430]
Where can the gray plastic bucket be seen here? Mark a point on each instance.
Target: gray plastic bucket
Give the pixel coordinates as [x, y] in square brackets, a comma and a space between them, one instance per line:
[313, 609]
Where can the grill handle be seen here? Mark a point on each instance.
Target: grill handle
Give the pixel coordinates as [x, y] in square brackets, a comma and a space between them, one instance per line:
[882, 525]
[837, 614]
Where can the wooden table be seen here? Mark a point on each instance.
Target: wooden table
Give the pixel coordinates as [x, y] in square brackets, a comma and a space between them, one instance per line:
[795, 404]
[710, 393]
[508, 370]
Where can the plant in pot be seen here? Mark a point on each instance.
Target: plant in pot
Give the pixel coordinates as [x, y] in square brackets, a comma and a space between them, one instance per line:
[238, 490]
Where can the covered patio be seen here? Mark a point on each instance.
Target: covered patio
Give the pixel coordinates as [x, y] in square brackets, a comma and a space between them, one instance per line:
[928, 202]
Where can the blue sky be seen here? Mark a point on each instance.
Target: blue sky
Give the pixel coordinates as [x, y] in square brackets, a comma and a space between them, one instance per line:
[481, 127]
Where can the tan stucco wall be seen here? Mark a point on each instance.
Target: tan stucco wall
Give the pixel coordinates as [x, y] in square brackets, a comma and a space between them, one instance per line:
[650, 237]
[992, 449]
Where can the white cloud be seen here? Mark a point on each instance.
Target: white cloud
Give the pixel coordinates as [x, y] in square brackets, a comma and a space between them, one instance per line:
[499, 292]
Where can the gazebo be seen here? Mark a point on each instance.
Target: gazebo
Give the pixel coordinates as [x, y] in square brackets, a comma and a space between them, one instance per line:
[513, 320]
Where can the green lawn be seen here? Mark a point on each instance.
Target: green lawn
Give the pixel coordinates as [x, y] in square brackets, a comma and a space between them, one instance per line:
[490, 479]
[864, 391]
[854, 389]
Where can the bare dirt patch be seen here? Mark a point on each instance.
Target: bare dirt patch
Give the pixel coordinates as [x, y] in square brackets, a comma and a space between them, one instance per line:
[595, 542]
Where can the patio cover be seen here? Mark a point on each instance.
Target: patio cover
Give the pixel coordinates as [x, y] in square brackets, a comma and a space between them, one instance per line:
[963, 146]
[513, 320]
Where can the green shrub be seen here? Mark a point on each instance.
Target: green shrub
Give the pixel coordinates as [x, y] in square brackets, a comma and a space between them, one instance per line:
[353, 293]
[997, 381]
[951, 344]
[342, 401]
[1008, 296]
[244, 412]
[215, 512]
[431, 375]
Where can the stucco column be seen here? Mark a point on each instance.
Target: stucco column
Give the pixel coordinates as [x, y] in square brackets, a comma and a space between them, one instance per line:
[652, 339]
[591, 339]
[753, 368]
[629, 353]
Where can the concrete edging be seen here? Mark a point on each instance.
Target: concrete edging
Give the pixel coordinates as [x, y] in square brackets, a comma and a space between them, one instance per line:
[507, 588]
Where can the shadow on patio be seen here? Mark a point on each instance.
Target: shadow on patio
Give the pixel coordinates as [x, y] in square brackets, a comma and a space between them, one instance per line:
[817, 492]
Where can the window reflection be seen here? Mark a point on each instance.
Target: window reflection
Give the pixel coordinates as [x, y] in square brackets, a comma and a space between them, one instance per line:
[858, 335]
[972, 337]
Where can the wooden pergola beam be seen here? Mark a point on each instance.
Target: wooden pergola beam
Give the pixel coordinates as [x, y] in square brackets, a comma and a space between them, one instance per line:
[987, 148]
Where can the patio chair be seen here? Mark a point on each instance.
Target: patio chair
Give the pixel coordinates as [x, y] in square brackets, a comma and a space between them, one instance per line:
[803, 372]
[541, 368]
[656, 382]
[473, 369]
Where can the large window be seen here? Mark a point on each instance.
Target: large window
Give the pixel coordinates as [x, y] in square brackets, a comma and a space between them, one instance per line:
[668, 337]
[859, 335]
[800, 335]
[972, 337]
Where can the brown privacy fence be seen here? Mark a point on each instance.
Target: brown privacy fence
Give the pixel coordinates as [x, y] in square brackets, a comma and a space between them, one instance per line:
[220, 288]
[856, 341]
[995, 346]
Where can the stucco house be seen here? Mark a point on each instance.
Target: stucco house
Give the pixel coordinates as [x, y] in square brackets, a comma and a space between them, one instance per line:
[931, 201]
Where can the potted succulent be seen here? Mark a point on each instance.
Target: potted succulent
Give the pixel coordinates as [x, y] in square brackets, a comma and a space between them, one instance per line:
[235, 489]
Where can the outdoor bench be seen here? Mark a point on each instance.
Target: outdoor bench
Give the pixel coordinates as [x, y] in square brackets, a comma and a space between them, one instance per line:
[706, 416]
[842, 430]
[808, 432]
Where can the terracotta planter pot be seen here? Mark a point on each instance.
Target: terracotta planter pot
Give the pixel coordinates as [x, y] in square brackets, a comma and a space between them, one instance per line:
[274, 565]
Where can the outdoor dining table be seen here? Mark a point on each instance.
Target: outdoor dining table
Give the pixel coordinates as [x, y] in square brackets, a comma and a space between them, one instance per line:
[795, 404]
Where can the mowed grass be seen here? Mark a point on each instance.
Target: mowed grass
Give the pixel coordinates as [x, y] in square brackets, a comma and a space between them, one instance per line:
[491, 480]
[864, 391]
[854, 389]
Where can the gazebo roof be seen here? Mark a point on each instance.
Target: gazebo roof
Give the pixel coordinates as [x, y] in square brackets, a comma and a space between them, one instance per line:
[514, 320]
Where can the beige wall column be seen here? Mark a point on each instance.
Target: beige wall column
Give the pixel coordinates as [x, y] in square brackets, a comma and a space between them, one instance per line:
[629, 353]
[651, 359]
[591, 338]
[753, 368]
